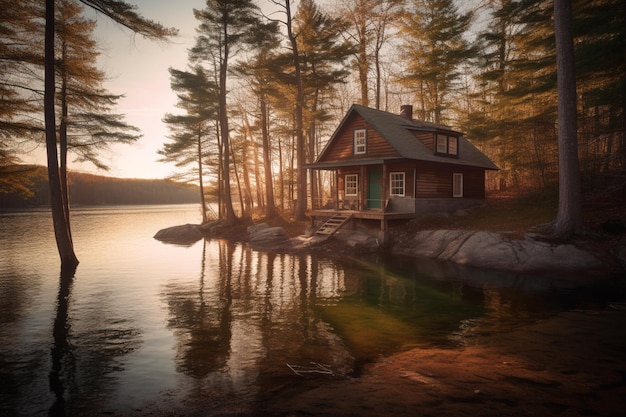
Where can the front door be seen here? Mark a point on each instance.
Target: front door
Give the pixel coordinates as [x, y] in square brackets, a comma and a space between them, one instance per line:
[374, 188]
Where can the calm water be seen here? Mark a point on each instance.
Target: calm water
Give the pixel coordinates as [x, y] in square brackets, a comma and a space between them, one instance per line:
[143, 322]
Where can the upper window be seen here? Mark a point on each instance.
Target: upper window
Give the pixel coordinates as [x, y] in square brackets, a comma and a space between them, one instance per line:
[457, 185]
[397, 183]
[453, 143]
[351, 184]
[360, 141]
[447, 145]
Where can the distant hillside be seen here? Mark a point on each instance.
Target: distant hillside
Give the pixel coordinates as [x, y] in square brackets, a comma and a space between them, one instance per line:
[88, 189]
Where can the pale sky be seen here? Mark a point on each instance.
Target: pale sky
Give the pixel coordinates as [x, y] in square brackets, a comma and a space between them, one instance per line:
[138, 68]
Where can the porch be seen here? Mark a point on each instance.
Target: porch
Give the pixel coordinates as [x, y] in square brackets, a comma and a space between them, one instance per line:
[390, 211]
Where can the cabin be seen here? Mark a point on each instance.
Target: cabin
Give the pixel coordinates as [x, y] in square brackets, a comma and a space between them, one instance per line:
[391, 167]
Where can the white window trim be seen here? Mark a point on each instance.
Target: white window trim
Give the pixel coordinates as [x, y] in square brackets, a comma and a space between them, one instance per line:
[457, 182]
[391, 174]
[345, 185]
[360, 134]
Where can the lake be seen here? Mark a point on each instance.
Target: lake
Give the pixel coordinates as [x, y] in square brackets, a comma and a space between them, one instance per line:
[145, 323]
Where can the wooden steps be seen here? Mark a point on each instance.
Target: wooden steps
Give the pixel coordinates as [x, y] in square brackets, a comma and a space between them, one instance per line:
[336, 222]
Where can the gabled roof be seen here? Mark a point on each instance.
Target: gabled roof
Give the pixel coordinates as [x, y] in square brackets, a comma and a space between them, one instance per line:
[397, 131]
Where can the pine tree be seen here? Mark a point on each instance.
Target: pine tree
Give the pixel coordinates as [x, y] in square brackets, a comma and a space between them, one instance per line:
[124, 14]
[434, 47]
[192, 130]
[226, 26]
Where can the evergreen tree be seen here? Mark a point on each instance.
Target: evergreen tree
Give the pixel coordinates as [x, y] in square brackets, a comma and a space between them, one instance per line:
[192, 130]
[86, 124]
[434, 47]
[124, 14]
[226, 26]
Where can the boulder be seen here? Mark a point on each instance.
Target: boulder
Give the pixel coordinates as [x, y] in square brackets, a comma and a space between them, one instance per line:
[185, 234]
[266, 237]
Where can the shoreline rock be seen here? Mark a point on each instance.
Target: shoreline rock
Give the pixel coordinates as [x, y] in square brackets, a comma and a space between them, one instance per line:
[496, 251]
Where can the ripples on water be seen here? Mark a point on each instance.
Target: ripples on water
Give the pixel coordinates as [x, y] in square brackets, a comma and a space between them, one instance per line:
[144, 322]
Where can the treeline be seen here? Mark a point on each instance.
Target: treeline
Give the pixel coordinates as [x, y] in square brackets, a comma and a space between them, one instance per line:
[255, 107]
[88, 189]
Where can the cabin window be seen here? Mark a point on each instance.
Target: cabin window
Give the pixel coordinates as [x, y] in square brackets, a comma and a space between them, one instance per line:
[442, 144]
[352, 182]
[447, 145]
[397, 184]
[457, 185]
[360, 141]
[453, 142]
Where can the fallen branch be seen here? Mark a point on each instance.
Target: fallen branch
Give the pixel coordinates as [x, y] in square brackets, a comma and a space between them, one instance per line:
[315, 368]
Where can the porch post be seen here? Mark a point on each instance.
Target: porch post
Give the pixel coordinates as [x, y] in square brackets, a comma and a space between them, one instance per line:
[383, 203]
[336, 175]
[363, 190]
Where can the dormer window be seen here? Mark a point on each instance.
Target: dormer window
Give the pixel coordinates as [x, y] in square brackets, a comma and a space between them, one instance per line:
[360, 141]
[447, 145]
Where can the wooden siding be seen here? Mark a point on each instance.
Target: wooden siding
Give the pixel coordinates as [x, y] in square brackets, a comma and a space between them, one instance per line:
[435, 181]
[342, 148]
[427, 138]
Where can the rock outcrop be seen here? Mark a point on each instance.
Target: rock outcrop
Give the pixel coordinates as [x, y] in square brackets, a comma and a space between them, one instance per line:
[498, 251]
[264, 237]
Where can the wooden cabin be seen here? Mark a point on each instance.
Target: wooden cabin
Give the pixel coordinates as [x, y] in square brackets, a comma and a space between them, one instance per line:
[388, 166]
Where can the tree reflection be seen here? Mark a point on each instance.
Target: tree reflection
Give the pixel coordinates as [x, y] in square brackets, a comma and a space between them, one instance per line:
[203, 324]
[85, 361]
[61, 347]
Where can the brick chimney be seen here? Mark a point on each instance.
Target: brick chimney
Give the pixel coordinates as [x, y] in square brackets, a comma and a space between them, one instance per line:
[406, 111]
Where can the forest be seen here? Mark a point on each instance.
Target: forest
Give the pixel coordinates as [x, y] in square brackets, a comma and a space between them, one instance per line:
[267, 82]
[91, 190]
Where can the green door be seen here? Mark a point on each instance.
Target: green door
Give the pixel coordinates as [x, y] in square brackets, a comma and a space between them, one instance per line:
[374, 188]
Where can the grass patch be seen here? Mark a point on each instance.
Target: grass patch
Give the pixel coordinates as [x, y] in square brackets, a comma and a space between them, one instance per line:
[500, 213]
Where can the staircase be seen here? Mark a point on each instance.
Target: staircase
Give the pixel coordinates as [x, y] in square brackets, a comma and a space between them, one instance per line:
[336, 222]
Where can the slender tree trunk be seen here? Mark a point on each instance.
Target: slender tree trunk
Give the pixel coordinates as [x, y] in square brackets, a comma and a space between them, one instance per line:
[244, 211]
[69, 261]
[63, 149]
[270, 206]
[200, 179]
[224, 132]
[301, 200]
[247, 140]
[281, 175]
[569, 219]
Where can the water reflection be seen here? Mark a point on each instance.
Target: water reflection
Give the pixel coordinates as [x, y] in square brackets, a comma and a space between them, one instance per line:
[219, 322]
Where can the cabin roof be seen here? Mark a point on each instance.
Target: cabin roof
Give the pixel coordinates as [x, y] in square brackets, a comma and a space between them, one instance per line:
[397, 131]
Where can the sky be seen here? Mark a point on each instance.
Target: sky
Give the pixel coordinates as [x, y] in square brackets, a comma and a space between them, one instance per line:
[138, 69]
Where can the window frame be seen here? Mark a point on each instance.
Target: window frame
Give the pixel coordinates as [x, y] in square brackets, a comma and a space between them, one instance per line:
[457, 185]
[441, 143]
[446, 145]
[391, 185]
[356, 185]
[453, 150]
[358, 136]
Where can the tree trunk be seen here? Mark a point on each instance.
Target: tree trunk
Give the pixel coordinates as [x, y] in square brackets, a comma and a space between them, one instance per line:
[270, 206]
[569, 220]
[301, 200]
[228, 202]
[62, 234]
[200, 180]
